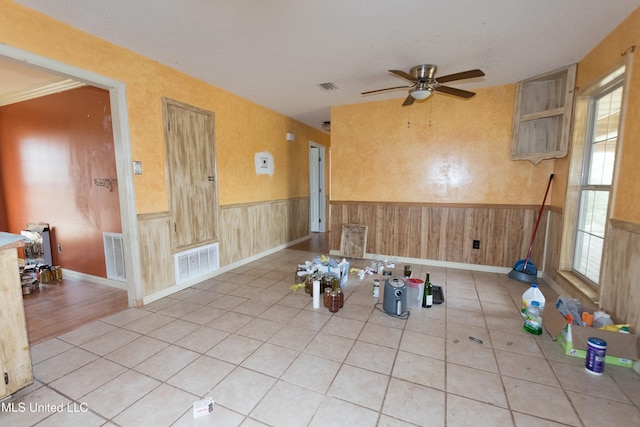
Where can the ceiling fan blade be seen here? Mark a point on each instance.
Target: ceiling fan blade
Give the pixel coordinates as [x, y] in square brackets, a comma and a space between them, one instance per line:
[409, 101]
[455, 92]
[460, 76]
[382, 90]
[403, 74]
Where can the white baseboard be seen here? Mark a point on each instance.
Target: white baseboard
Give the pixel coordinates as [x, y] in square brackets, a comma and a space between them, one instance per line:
[93, 279]
[435, 263]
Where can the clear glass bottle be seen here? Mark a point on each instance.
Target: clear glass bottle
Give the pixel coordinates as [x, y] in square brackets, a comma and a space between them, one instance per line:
[334, 304]
[308, 284]
[340, 297]
[427, 298]
[407, 271]
[327, 296]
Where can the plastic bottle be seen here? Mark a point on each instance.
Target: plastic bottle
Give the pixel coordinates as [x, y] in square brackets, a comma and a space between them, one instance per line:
[376, 288]
[600, 318]
[532, 294]
[533, 318]
[316, 294]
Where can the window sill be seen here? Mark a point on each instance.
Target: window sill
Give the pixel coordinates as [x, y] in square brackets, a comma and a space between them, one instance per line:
[578, 288]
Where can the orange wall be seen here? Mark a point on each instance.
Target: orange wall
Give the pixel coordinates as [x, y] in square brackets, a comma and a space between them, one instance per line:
[462, 157]
[242, 127]
[602, 59]
[51, 149]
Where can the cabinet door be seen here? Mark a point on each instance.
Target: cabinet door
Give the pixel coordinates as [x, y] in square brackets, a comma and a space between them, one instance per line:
[14, 344]
[542, 116]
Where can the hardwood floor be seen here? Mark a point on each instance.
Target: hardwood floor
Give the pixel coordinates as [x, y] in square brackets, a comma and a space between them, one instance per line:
[60, 307]
[319, 242]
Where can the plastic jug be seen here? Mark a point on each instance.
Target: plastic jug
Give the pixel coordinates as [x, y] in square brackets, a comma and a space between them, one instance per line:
[533, 318]
[531, 294]
[415, 288]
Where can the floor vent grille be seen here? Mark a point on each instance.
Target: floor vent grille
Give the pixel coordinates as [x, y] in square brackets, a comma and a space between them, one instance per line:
[196, 262]
[114, 256]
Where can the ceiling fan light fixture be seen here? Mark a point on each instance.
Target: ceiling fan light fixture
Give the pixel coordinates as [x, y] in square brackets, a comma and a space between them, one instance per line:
[421, 93]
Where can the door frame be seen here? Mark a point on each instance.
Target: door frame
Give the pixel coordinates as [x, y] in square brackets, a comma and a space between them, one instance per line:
[122, 148]
[320, 179]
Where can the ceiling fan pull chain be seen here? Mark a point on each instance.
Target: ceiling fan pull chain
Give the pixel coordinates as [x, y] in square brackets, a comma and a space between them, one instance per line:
[430, 110]
[409, 121]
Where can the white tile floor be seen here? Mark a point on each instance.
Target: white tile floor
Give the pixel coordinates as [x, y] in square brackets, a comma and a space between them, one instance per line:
[268, 358]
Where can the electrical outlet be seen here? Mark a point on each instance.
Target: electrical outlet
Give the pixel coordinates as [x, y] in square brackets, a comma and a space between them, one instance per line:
[476, 244]
[59, 247]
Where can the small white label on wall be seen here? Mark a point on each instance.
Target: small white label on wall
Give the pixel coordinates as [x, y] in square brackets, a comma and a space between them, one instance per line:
[264, 163]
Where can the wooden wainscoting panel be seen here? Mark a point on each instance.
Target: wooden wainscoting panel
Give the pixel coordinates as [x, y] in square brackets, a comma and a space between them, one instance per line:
[156, 260]
[339, 215]
[620, 293]
[436, 236]
[298, 216]
[251, 228]
[496, 232]
[516, 244]
[425, 224]
[554, 241]
[377, 231]
[444, 232]
[401, 231]
[386, 243]
[475, 228]
[415, 222]
[455, 239]
[233, 223]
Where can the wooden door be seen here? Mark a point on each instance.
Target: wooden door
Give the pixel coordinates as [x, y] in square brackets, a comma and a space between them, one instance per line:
[191, 170]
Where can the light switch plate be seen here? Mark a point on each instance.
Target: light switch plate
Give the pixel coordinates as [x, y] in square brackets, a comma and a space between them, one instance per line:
[137, 167]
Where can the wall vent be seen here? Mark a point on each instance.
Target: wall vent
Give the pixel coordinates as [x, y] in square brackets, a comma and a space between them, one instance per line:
[328, 86]
[196, 262]
[114, 256]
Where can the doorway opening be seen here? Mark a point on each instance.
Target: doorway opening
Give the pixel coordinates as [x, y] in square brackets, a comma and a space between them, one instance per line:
[317, 205]
[122, 148]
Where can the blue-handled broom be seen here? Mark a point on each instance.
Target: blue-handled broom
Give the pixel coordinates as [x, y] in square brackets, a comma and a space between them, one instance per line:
[524, 270]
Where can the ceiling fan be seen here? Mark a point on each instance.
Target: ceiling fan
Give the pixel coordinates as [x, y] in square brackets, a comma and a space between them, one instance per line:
[425, 83]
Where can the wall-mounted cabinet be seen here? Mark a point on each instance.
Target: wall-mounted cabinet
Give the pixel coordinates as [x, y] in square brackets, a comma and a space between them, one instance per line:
[542, 116]
[15, 358]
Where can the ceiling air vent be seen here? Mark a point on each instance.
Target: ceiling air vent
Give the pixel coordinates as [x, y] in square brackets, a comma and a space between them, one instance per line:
[328, 86]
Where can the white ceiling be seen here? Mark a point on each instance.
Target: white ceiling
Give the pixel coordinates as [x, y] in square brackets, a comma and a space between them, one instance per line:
[277, 52]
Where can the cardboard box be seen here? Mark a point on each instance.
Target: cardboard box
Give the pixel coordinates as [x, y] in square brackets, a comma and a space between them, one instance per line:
[622, 349]
[342, 271]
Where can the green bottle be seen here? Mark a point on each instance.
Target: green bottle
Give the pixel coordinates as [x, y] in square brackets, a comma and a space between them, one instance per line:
[427, 298]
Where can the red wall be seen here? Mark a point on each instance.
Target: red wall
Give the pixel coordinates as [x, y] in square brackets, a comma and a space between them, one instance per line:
[51, 150]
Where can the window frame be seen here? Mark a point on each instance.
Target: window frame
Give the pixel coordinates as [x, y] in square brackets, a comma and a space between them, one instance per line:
[580, 129]
[617, 82]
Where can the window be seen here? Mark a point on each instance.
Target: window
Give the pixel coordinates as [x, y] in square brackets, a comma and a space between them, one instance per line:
[597, 177]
